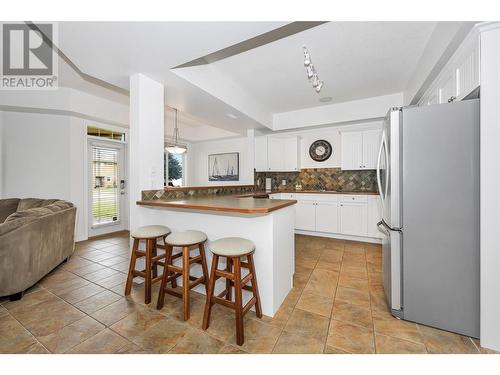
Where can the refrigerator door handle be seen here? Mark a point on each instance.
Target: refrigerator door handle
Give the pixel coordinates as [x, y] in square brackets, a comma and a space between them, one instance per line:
[388, 169]
[379, 182]
[381, 227]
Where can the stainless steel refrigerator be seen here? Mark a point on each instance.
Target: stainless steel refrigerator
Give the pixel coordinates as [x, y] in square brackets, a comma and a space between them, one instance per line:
[428, 177]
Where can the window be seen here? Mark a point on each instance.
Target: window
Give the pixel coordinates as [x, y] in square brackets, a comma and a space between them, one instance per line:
[173, 169]
[103, 133]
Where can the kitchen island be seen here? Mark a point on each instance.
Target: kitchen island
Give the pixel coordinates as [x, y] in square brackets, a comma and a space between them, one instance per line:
[269, 223]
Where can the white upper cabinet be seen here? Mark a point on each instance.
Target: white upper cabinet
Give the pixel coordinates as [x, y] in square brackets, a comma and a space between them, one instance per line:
[291, 154]
[360, 149]
[261, 154]
[459, 77]
[352, 150]
[276, 154]
[371, 144]
[447, 90]
[467, 73]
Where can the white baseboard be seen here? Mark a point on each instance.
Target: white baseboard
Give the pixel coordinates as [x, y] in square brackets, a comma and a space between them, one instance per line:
[339, 236]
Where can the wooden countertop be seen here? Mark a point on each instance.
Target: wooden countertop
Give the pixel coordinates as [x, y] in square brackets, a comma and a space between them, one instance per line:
[232, 203]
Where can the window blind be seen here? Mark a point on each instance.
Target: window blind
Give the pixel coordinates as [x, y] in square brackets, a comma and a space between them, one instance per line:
[106, 186]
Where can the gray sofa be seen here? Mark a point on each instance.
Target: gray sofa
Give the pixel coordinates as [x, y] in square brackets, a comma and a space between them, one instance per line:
[36, 235]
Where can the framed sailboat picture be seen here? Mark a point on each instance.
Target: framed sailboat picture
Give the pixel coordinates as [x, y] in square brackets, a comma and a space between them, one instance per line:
[224, 167]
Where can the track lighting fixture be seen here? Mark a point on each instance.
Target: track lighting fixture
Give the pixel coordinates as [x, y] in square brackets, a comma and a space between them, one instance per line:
[312, 75]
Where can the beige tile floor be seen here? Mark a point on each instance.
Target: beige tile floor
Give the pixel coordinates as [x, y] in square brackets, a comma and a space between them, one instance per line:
[337, 306]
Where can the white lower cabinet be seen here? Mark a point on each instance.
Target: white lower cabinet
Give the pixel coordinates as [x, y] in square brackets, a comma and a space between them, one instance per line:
[374, 216]
[327, 217]
[353, 218]
[352, 215]
[305, 215]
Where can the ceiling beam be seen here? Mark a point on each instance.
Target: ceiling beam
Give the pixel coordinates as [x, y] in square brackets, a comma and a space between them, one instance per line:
[260, 40]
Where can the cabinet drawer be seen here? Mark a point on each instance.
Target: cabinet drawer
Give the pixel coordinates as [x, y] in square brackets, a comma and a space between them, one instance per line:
[317, 197]
[354, 198]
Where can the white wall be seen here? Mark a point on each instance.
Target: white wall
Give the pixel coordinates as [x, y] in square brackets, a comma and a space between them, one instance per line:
[490, 180]
[42, 158]
[356, 110]
[146, 146]
[45, 156]
[67, 101]
[197, 160]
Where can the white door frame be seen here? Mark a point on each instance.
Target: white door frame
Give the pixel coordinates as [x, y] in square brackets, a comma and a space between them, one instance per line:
[122, 223]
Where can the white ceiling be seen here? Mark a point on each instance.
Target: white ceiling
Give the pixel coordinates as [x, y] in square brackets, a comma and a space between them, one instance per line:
[355, 60]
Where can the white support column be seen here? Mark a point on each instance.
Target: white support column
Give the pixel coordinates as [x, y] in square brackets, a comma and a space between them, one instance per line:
[490, 180]
[146, 143]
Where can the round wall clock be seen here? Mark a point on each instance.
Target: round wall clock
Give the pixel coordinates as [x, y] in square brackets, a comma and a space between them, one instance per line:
[320, 150]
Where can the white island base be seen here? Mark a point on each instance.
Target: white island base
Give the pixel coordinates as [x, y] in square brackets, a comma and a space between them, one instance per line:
[272, 233]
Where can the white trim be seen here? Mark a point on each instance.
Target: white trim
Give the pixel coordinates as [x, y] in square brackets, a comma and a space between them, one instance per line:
[122, 223]
[339, 236]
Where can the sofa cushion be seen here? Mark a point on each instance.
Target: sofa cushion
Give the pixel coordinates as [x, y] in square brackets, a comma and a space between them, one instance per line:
[27, 203]
[39, 211]
[9, 226]
[7, 207]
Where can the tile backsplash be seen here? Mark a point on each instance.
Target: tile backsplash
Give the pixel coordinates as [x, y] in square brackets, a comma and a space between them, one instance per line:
[320, 179]
[195, 191]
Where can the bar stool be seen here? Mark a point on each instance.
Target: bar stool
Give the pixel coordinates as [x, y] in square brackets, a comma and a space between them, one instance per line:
[186, 240]
[233, 249]
[150, 234]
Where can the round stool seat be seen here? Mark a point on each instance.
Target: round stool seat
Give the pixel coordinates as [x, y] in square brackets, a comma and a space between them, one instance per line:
[189, 237]
[151, 231]
[232, 247]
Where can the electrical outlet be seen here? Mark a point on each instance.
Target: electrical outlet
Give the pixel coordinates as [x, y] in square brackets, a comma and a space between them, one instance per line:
[283, 182]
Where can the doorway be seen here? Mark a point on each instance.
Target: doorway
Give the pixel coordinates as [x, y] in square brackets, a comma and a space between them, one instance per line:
[107, 194]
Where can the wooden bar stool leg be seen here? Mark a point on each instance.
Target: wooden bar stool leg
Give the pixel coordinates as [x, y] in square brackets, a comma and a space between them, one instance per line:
[154, 253]
[163, 286]
[255, 288]
[169, 252]
[185, 281]
[131, 268]
[229, 288]
[149, 250]
[238, 301]
[211, 289]
[204, 266]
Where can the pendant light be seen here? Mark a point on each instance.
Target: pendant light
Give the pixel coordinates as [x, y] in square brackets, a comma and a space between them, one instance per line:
[176, 147]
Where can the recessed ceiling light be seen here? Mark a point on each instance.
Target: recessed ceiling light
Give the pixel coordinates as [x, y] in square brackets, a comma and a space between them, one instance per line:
[325, 99]
[230, 115]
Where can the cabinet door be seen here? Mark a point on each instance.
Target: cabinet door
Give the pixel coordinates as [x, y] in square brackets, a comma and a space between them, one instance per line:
[291, 154]
[261, 154]
[275, 155]
[305, 216]
[327, 217]
[353, 219]
[371, 144]
[447, 90]
[351, 150]
[374, 216]
[467, 74]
